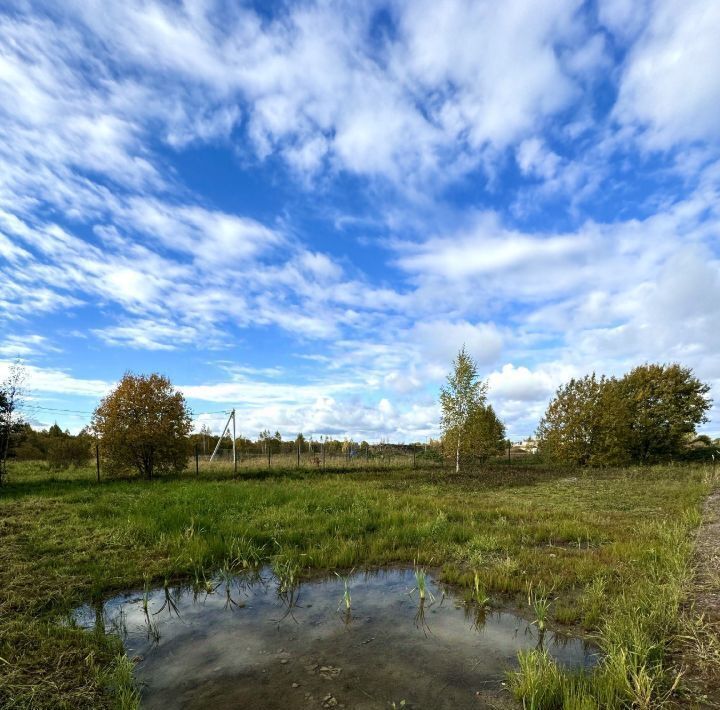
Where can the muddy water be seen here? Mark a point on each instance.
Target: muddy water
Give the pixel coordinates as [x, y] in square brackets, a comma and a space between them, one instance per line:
[251, 644]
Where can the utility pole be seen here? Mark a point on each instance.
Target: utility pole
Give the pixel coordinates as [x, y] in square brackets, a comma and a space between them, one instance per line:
[224, 431]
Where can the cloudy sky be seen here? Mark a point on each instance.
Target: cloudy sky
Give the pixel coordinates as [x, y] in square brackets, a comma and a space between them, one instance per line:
[304, 209]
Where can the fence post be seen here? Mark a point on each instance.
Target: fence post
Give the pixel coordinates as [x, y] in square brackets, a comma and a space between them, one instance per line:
[413, 450]
[97, 461]
[323, 450]
[298, 456]
[269, 455]
[508, 452]
[197, 461]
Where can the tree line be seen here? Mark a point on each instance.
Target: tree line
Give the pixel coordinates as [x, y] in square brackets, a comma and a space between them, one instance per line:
[275, 444]
[145, 425]
[646, 416]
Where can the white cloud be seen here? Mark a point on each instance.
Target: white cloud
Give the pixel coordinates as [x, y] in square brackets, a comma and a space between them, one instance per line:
[624, 18]
[535, 159]
[209, 236]
[440, 340]
[313, 88]
[487, 248]
[669, 88]
[53, 381]
[151, 335]
[522, 384]
[20, 346]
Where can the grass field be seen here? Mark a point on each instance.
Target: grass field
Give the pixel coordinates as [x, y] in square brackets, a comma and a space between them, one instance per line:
[610, 550]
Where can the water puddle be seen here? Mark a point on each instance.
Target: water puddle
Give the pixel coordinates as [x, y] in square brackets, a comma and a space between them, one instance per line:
[256, 643]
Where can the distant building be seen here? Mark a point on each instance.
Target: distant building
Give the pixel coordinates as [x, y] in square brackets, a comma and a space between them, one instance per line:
[526, 446]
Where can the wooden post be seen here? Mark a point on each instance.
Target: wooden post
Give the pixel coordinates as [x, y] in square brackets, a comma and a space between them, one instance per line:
[323, 450]
[269, 454]
[508, 451]
[413, 450]
[197, 461]
[234, 445]
[298, 456]
[97, 461]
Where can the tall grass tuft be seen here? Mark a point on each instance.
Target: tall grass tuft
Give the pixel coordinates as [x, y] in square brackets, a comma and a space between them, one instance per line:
[421, 585]
[346, 598]
[119, 679]
[540, 604]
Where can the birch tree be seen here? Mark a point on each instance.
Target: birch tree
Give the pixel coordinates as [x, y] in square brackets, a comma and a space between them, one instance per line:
[11, 394]
[460, 398]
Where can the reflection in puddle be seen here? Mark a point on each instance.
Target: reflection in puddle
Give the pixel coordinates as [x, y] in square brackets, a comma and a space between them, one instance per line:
[362, 641]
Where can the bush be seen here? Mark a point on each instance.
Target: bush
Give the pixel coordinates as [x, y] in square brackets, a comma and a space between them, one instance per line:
[67, 451]
[143, 424]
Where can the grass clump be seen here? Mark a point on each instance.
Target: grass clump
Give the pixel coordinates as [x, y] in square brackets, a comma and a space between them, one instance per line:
[635, 629]
[119, 680]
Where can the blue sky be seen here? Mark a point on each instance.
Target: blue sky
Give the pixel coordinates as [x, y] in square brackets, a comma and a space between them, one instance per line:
[304, 209]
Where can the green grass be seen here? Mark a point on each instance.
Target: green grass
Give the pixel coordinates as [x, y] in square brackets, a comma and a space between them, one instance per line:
[613, 546]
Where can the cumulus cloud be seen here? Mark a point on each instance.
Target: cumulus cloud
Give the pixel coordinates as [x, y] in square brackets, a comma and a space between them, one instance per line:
[440, 340]
[669, 89]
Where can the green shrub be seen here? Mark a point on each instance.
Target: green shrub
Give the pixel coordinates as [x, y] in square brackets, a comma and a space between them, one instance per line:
[67, 451]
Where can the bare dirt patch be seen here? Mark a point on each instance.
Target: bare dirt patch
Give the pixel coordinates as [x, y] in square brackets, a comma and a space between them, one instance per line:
[701, 635]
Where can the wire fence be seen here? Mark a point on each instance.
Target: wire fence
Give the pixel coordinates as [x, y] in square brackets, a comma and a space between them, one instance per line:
[396, 458]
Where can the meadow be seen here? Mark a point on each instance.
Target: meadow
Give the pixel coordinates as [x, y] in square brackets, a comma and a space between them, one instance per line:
[602, 553]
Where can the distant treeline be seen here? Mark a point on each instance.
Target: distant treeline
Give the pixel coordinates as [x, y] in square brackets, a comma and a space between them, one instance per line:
[649, 415]
[59, 448]
[274, 444]
[62, 449]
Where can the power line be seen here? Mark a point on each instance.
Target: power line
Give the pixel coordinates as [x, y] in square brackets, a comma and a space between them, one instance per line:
[81, 411]
[53, 409]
